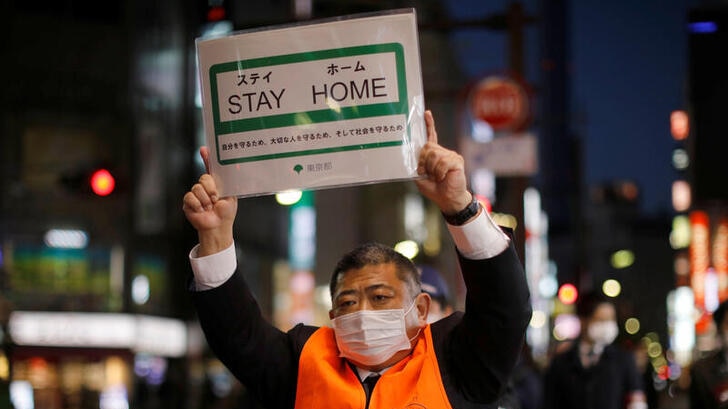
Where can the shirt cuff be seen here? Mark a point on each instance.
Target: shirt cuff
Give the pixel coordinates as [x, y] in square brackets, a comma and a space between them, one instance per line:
[480, 238]
[213, 270]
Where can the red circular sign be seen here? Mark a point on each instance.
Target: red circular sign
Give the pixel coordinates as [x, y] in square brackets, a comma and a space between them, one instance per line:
[501, 102]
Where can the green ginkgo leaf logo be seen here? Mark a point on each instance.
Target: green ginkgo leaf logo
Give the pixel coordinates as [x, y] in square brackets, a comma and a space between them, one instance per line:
[298, 168]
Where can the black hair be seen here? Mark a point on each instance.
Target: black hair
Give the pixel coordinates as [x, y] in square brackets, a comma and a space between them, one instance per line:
[440, 299]
[587, 303]
[369, 254]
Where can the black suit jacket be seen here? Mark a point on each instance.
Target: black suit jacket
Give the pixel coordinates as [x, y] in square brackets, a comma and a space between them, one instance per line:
[606, 385]
[476, 350]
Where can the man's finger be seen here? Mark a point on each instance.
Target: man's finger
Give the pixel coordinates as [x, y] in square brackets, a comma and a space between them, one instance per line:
[191, 202]
[208, 183]
[430, 125]
[203, 194]
[205, 155]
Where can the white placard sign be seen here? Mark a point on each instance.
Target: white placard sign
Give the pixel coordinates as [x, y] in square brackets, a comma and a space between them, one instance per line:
[322, 104]
[508, 155]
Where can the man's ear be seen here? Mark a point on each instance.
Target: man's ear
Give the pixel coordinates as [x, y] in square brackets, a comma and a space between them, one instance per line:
[422, 302]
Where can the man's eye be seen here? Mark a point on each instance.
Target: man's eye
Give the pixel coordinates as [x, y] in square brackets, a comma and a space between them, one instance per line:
[345, 303]
[380, 298]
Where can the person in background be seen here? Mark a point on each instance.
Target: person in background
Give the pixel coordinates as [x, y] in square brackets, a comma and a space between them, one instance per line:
[709, 375]
[379, 351]
[594, 373]
[434, 284]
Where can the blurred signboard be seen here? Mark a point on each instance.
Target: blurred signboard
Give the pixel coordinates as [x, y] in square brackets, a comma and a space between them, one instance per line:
[312, 105]
[501, 102]
[140, 333]
[508, 155]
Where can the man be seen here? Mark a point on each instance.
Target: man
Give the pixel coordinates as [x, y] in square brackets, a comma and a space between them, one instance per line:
[594, 373]
[463, 361]
[709, 375]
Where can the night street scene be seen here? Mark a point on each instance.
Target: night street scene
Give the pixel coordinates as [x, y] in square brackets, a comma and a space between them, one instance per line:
[180, 180]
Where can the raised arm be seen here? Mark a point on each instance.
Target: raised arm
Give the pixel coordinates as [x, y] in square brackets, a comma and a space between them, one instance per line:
[258, 354]
[211, 215]
[445, 183]
[480, 347]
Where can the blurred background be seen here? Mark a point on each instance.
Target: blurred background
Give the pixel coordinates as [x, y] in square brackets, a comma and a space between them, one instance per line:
[601, 143]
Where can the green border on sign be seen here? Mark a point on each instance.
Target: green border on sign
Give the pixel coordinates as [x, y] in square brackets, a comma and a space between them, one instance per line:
[322, 115]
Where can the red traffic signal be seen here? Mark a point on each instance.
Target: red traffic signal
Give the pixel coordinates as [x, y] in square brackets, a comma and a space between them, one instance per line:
[102, 182]
[216, 13]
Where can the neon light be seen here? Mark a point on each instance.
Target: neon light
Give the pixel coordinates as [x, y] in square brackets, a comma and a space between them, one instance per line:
[702, 27]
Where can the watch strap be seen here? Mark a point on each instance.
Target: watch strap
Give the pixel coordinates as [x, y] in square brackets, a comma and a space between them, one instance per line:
[459, 218]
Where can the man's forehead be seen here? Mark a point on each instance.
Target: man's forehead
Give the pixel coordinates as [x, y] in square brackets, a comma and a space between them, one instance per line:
[343, 291]
[368, 276]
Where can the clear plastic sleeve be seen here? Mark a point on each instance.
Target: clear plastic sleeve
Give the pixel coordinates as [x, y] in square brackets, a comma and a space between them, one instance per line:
[319, 104]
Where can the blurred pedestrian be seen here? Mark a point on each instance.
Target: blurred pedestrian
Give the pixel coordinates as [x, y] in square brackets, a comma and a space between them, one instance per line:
[379, 331]
[434, 284]
[709, 375]
[594, 373]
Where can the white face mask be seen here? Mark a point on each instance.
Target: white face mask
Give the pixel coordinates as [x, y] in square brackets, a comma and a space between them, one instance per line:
[603, 332]
[371, 337]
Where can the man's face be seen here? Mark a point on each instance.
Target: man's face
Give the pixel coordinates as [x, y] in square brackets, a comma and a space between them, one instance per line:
[376, 287]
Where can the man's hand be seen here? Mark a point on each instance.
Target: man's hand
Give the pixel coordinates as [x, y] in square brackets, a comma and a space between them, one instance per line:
[209, 214]
[445, 184]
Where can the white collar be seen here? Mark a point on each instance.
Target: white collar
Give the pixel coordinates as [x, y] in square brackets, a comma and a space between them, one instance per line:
[364, 373]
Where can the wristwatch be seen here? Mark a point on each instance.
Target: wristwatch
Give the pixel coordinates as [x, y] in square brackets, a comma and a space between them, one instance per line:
[459, 218]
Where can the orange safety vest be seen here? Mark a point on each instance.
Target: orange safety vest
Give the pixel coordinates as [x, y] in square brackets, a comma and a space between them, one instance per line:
[325, 380]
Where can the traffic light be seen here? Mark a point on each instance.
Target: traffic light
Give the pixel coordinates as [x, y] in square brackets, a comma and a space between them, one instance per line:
[102, 182]
[216, 13]
[96, 181]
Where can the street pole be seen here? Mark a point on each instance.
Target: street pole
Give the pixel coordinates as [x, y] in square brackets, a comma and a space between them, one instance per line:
[512, 22]
[514, 186]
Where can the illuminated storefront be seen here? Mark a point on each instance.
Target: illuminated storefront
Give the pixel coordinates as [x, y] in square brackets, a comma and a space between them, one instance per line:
[94, 360]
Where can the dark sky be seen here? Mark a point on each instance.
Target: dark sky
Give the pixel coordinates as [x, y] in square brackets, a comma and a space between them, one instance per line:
[629, 62]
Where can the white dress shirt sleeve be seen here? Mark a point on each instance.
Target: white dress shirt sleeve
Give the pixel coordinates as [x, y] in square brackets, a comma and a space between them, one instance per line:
[213, 270]
[479, 238]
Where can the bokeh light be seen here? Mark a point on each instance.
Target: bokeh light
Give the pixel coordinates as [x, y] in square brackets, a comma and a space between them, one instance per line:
[538, 319]
[289, 197]
[568, 294]
[407, 248]
[654, 350]
[632, 325]
[622, 259]
[611, 288]
[566, 326]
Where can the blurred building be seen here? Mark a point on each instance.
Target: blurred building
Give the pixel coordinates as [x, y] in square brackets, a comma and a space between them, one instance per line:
[704, 139]
[94, 305]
